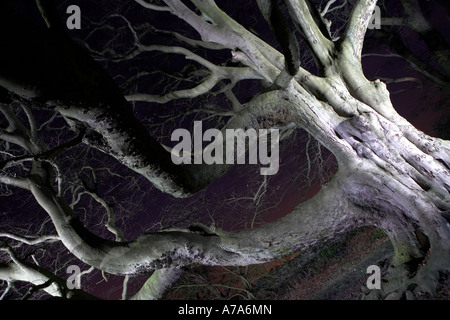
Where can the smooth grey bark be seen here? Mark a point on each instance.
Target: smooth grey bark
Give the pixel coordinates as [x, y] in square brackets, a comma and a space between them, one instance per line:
[390, 174]
[41, 279]
[13, 272]
[158, 284]
[177, 248]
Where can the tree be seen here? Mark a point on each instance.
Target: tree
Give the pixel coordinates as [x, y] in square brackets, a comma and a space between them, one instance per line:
[390, 174]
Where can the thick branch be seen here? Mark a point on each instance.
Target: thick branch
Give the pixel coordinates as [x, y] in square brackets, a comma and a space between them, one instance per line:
[40, 279]
[13, 272]
[266, 60]
[308, 23]
[285, 36]
[311, 222]
[158, 284]
[14, 181]
[355, 31]
[89, 100]
[85, 95]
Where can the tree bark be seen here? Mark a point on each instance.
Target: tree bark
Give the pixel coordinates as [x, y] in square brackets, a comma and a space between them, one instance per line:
[158, 284]
[390, 174]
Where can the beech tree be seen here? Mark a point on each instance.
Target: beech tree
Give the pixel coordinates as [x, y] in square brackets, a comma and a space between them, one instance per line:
[389, 174]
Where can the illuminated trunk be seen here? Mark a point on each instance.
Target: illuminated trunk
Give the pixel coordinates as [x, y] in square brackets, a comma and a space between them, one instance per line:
[390, 174]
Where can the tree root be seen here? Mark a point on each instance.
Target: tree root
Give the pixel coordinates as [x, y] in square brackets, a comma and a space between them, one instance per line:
[414, 281]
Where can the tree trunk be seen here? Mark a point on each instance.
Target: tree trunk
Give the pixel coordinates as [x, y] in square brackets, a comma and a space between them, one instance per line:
[396, 176]
[406, 198]
[390, 174]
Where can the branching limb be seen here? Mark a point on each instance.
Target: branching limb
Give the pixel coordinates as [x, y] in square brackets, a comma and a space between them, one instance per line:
[44, 156]
[152, 6]
[30, 240]
[186, 40]
[22, 271]
[308, 22]
[355, 31]
[17, 132]
[158, 284]
[322, 23]
[217, 74]
[283, 33]
[226, 31]
[40, 279]
[12, 272]
[9, 286]
[97, 105]
[304, 226]
[111, 215]
[326, 9]
[13, 181]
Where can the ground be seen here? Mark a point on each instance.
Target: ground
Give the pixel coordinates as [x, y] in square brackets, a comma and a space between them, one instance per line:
[335, 271]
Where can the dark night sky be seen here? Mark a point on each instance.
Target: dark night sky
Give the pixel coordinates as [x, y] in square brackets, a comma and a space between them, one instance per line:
[140, 206]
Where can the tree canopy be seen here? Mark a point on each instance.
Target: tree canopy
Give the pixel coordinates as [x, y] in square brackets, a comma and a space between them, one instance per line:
[89, 107]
